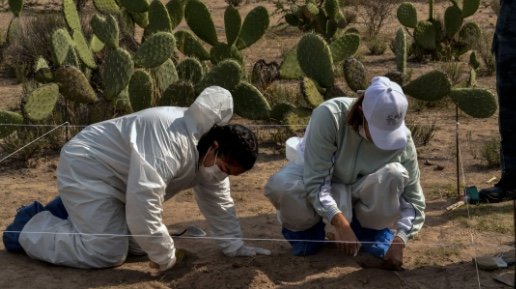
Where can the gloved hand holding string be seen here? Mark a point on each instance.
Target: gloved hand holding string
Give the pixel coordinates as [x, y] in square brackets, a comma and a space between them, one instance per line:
[247, 251]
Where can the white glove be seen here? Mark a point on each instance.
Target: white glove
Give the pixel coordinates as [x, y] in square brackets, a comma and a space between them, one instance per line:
[247, 251]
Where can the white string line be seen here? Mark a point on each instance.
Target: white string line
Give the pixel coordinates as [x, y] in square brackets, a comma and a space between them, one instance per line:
[33, 141]
[436, 244]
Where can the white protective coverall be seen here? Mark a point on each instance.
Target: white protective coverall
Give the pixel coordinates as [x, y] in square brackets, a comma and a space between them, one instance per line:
[113, 178]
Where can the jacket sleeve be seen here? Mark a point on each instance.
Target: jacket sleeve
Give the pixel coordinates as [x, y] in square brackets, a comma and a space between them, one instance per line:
[319, 152]
[218, 208]
[412, 201]
[144, 212]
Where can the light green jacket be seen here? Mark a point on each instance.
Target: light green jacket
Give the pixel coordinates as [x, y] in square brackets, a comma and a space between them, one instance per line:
[334, 152]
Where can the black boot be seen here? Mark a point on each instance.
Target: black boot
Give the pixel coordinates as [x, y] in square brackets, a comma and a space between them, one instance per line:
[504, 190]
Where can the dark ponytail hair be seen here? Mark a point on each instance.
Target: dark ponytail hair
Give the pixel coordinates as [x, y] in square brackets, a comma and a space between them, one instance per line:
[355, 114]
[237, 144]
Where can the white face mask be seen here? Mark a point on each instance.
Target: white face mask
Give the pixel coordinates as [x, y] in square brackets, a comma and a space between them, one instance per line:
[212, 173]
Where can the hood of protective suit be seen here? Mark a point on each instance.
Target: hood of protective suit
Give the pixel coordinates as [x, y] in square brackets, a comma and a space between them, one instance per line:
[213, 106]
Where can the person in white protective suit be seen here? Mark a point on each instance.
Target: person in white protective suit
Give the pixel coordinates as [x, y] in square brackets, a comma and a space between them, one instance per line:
[114, 176]
[356, 169]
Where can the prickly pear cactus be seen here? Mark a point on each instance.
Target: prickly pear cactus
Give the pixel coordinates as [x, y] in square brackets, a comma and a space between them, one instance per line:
[199, 20]
[83, 49]
[116, 72]
[62, 43]
[190, 69]
[311, 93]
[107, 6]
[176, 11]
[106, 29]
[227, 74]
[189, 45]
[407, 14]
[314, 57]
[425, 35]
[159, 20]
[140, 90]
[452, 20]
[42, 71]
[155, 50]
[16, 7]
[71, 15]
[180, 93]
[223, 51]
[431, 86]
[476, 102]
[255, 24]
[232, 24]
[136, 6]
[74, 86]
[8, 120]
[400, 50]
[344, 47]
[40, 103]
[165, 75]
[355, 74]
[249, 102]
[297, 119]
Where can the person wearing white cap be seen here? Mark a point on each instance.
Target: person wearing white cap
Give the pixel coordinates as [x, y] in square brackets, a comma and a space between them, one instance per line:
[114, 177]
[355, 168]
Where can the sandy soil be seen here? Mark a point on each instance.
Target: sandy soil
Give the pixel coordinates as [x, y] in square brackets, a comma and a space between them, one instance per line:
[440, 256]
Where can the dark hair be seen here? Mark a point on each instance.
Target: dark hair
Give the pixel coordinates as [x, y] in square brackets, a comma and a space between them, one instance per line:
[237, 144]
[355, 114]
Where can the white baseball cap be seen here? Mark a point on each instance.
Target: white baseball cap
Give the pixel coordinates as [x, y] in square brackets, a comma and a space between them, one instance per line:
[384, 107]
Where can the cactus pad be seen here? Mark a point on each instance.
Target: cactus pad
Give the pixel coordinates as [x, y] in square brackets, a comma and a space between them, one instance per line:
[280, 110]
[400, 51]
[9, 117]
[431, 86]
[136, 6]
[452, 20]
[106, 29]
[189, 45]
[61, 45]
[249, 102]
[42, 71]
[200, 22]
[470, 34]
[297, 119]
[314, 57]
[155, 50]
[190, 69]
[255, 24]
[289, 67]
[74, 86]
[476, 102]
[107, 6]
[469, 7]
[180, 93]
[71, 15]
[226, 74]
[165, 75]
[95, 44]
[344, 47]
[142, 19]
[355, 74]
[117, 70]
[83, 49]
[40, 103]
[311, 92]
[407, 14]
[159, 20]
[140, 90]
[223, 51]
[232, 24]
[16, 7]
[176, 10]
[425, 35]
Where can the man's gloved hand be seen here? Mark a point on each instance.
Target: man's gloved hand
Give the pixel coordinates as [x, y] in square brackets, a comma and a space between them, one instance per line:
[179, 256]
[246, 251]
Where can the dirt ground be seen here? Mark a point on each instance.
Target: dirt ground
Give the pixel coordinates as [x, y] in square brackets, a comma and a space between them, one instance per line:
[439, 257]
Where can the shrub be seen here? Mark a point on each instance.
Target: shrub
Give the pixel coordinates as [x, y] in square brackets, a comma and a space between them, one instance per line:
[484, 50]
[376, 13]
[490, 152]
[422, 133]
[376, 46]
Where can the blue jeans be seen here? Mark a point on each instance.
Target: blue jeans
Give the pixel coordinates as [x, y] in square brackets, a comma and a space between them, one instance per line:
[374, 242]
[314, 237]
[504, 49]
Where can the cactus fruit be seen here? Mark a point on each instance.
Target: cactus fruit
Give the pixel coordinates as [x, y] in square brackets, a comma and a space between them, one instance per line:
[232, 24]
[310, 92]
[355, 74]
[255, 24]
[155, 50]
[469, 7]
[40, 103]
[249, 102]
[106, 29]
[71, 15]
[7, 119]
[189, 45]
[140, 90]
[16, 7]
[117, 70]
[431, 86]
[73, 85]
[180, 93]
[407, 14]
[223, 51]
[314, 57]
[165, 75]
[176, 10]
[476, 102]
[83, 49]
[226, 74]
[200, 22]
[190, 69]
[42, 71]
[107, 6]
[425, 35]
[400, 50]
[136, 6]
[344, 47]
[452, 20]
[159, 20]
[61, 45]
